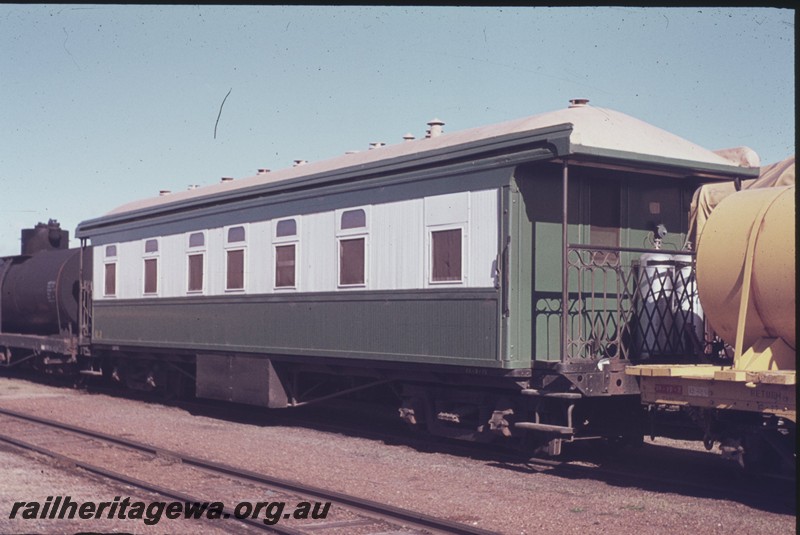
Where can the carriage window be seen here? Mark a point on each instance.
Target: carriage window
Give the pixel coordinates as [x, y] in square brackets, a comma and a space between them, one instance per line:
[446, 255]
[235, 234]
[195, 260]
[151, 266]
[285, 245]
[110, 283]
[195, 272]
[353, 219]
[285, 266]
[604, 216]
[234, 259]
[352, 238]
[351, 261]
[235, 272]
[110, 271]
[150, 275]
[287, 227]
[197, 239]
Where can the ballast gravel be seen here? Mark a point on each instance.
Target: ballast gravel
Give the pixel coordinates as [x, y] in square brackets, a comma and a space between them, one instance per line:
[493, 494]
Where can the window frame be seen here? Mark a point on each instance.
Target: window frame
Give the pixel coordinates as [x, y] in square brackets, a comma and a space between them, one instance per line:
[151, 256]
[348, 234]
[339, 241]
[110, 260]
[431, 230]
[230, 247]
[194, 251]
[285, 241]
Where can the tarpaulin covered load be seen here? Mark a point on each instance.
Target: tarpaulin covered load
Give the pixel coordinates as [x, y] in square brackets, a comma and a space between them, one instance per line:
[709, 196]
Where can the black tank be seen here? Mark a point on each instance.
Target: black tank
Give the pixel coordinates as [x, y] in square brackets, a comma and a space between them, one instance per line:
[39, 293]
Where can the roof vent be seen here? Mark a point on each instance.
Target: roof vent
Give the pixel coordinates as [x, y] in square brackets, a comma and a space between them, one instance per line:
[578, 102]
[435, 128]
[299, 162]
[263, 171]
[352, 152]
[226, 179]
[408, 137]
[376, 145]
[193, 186]
[164, 192]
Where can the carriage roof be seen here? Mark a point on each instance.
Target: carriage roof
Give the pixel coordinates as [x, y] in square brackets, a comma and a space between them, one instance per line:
[579, 132]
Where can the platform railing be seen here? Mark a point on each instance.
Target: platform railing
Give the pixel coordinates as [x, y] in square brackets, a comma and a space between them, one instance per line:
[634, 304]
[85, 315]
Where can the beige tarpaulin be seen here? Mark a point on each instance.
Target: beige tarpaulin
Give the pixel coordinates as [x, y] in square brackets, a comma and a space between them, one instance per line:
[710, 195]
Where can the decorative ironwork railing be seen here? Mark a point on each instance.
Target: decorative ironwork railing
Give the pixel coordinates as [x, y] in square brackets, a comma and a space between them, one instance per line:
[631, 303]
[85, 313]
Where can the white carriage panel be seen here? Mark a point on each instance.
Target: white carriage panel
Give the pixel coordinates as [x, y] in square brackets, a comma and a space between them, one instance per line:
[317, 253]
[443, 213]
[412, 244]
[259, 258]
[447, 209]
[172, 266]
[396, 245]
[483, 238]
[383, 247]
[130, 270]
[215, 259]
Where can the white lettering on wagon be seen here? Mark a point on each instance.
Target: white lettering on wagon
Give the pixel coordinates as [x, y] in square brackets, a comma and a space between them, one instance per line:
[769, 395]
[699, 391]
[669, 389]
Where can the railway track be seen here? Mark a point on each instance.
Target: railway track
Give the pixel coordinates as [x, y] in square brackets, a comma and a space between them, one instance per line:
[653, 466]
[177, 475]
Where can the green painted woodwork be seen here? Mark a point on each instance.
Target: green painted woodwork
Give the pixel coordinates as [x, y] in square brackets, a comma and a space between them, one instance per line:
[453, 327]
[536, 242]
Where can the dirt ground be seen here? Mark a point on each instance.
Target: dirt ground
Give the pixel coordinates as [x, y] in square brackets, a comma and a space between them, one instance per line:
[494, 494]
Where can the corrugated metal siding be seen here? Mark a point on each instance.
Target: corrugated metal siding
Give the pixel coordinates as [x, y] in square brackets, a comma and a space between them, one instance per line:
[397, 242]
[397, 248]
[483, 229]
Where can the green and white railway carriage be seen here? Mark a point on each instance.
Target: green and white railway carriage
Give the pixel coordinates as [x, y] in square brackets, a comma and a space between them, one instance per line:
[438, 266]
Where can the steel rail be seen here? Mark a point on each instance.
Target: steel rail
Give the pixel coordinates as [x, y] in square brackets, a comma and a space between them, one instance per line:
[128, 480]
[362, 505]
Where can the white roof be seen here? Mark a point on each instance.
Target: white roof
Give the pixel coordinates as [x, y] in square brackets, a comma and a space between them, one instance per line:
[592, 128]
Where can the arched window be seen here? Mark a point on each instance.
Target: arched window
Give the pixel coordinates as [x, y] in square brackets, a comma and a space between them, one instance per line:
[352, 238]
[151, 267]
[285, 243]
[195, 261]
[235, 258]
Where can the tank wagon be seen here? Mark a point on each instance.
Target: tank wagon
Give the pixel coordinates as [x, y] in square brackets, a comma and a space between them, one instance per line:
[746, 281]
[40, 292]
[496, 280]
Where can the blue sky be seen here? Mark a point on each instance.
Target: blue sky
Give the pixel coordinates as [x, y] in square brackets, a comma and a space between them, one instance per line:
[102, 105]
